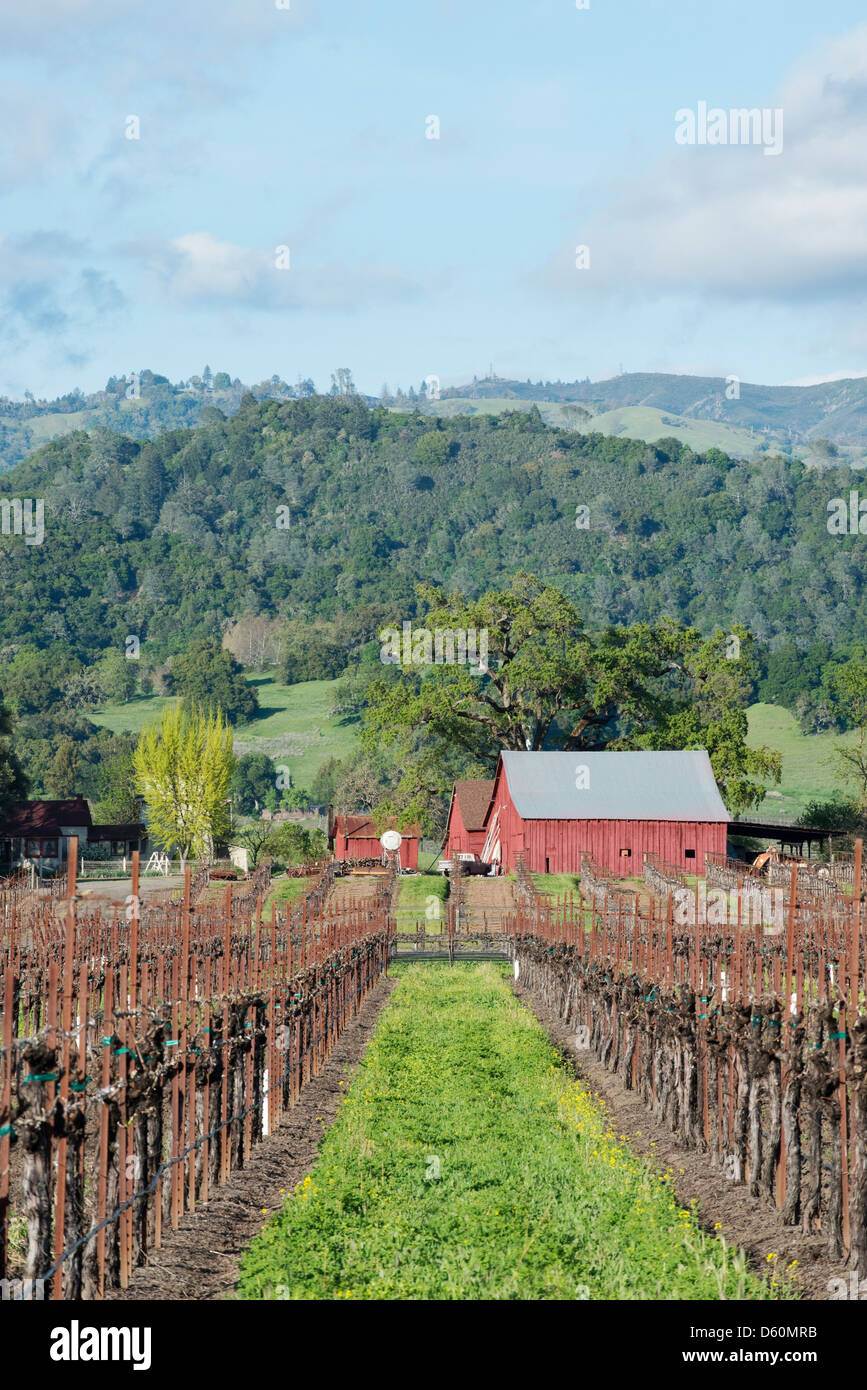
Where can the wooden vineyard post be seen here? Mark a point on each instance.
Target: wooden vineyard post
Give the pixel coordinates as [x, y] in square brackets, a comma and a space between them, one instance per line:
[187, 1177]
[6, 1111]
[104, 1130]
[157, 1120]
[225, 1137]
[66, 1033]
[176, 1172]
[847, 1017]
[785, 1032]
[858, 1032]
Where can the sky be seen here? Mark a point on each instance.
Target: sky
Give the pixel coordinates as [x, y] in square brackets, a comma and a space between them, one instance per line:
[282, 208]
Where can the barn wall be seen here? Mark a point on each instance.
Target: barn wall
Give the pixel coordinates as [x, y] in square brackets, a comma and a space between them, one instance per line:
[456, 832]
[561, 843]
[504, 825]
[409, 853]
[459, 840]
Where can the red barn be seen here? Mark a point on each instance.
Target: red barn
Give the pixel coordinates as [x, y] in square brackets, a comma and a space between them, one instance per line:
[356, 837]
[465, 830]
[617, 806]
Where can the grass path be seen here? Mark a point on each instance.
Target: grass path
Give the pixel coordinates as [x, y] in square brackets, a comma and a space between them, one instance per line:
[421, 903]
[467, 1163]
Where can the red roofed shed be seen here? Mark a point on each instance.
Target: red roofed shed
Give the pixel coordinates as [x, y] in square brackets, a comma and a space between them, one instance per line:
[356, 837]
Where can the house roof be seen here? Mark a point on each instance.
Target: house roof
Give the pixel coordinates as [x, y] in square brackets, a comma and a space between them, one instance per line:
[363, 828]
[668, 786]
[35, 818]
[116, 832]
[473, 798]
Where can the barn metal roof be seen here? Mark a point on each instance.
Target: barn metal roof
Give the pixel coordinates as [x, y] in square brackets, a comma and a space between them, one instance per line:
[677, 786]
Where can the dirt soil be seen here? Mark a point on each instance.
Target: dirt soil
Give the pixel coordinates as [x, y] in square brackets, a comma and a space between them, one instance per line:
[488, 899]
[355, 888]
[744, 1220]
[199, 1261]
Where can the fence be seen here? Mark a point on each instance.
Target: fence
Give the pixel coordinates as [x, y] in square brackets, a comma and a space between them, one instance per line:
[144, 1053]
[598, 885]
[306, 870]
[662, 878]
[749, 1043]
[818, 884]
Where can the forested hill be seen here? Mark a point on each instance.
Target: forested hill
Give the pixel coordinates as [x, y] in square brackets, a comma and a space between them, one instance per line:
[140, 404]
[832, 410]
[323, 508]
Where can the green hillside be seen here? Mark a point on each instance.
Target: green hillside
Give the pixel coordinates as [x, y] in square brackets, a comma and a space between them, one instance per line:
[810, 772]
[294, 726]
[835, 410]
[629, 422]
[644, 422]
[325, 510]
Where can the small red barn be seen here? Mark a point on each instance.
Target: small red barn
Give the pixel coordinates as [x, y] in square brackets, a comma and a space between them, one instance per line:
[356, 837]
[551, 807]
[465, 829]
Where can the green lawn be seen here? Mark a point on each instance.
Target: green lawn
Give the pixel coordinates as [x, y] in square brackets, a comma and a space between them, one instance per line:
[293, 727]
[468, 1163]
[809, 771]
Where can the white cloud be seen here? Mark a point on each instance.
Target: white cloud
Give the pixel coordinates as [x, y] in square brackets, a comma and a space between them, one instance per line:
[198, 269]
[726, 220]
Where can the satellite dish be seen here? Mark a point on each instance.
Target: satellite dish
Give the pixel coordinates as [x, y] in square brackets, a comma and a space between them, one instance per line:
[391, 840]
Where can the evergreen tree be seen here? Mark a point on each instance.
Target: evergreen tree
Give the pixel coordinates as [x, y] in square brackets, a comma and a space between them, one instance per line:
[13, 784]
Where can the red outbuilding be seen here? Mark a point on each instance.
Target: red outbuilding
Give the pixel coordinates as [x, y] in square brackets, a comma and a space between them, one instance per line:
[551, 807]
[465, 829]
[356, 837]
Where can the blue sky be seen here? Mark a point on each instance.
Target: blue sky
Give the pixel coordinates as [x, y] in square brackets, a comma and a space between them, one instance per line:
[305, 127]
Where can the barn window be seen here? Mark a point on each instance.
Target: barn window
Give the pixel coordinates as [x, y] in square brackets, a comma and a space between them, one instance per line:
[626, 854]
[689, 854]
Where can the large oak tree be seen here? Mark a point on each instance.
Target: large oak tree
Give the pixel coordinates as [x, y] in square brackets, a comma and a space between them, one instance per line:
[551, 682]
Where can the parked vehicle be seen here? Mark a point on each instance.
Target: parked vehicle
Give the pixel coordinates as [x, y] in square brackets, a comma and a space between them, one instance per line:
[470, 864]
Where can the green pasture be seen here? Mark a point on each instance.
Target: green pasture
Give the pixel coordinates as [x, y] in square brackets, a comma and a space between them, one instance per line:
[294, 725]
